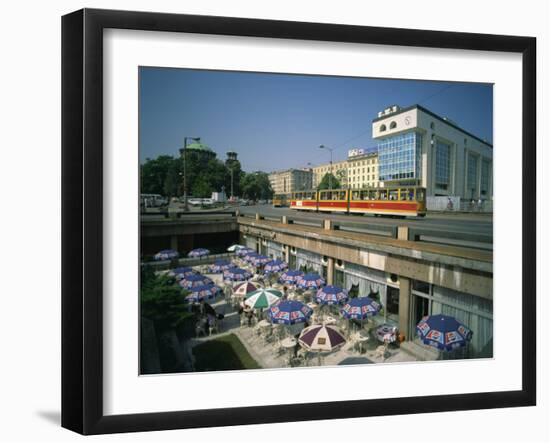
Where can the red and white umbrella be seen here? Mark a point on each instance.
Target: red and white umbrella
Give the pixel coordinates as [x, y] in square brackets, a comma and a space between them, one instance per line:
[244, 288]
[322, 338]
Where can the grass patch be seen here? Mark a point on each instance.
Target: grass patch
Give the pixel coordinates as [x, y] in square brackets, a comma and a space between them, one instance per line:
[223, 354]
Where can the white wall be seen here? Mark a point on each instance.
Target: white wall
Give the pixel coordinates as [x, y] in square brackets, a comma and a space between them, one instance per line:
[30, 173]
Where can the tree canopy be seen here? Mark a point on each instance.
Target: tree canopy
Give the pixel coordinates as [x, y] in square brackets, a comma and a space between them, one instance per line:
[327, 180]
[162, 300]
[256, 186]
[204, 174]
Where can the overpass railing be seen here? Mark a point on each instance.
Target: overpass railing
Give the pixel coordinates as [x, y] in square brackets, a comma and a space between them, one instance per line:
[389, 230]
[181, 215]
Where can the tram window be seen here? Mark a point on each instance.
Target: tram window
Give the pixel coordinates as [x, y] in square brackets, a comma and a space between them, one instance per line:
[402, 194]
[383, 195]
[393, 194]
[342, 195]
[411, 194]
[420, 195]
[364, 195]
[356, 195]
[373, 195]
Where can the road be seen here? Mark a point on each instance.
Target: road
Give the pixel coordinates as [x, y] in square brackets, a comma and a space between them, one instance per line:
[460, 222]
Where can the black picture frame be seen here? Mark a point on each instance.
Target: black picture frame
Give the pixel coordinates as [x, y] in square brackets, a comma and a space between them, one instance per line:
[82, 215]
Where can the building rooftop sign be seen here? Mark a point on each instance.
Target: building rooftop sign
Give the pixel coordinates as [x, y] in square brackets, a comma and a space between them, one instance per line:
[356, 152]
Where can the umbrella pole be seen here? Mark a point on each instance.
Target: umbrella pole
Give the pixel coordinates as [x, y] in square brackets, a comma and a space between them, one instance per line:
[319, 358]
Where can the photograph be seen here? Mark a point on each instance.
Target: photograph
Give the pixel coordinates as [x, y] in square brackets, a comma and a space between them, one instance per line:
[290, 221]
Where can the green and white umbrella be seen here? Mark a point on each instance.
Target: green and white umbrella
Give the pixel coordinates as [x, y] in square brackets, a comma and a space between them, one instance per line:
[263, 298]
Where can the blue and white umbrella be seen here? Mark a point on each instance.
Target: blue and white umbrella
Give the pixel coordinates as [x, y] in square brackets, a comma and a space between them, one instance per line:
[203, 292]
[290, 277]
[199, 252]
[251, 256]
[310, 281]
[260, 260]
[236, 274]
[166, 254]
[361, 308]
[194, 280]
[331, 295]
[220, 266]
[443, 332]
[275, 266]
[181, 272]
[289, 312]
[243, 251]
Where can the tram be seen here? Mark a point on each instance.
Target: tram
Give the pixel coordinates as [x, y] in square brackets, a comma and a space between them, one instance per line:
[407, 201]
[304, 201]
[280, 200]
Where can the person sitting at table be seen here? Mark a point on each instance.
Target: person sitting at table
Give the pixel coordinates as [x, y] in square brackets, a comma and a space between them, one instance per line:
[285, 292]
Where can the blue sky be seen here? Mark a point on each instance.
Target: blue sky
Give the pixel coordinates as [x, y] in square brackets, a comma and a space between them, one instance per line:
[277, 121]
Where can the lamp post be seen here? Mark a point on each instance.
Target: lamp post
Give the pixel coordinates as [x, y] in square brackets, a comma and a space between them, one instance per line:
[330, 176]
[197, 139]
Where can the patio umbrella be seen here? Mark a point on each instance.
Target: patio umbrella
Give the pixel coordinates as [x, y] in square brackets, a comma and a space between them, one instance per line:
[443, 332]
[360, 308]
[249, 257]
[181, 272]
[236, 274]
[244, 288]
[199, 252]
[290, 277]
[199, 293]
[243, 251]
[220, 266]
[234, 248]
[194, 280]
[310, 281]
[289, 312]
[331, 295]
[321, 338]
[275, 266]
[263, 298]
[166, 254]
[260, 260]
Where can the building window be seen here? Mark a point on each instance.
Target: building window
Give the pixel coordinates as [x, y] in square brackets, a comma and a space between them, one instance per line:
[471, 179]
[382, 128]
[393, 125]
[442, 165]
[485, 177]
[399, 157]
[432, 126]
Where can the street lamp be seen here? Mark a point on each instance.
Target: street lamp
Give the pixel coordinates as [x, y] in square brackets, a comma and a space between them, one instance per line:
[196, 139]
[330, 176]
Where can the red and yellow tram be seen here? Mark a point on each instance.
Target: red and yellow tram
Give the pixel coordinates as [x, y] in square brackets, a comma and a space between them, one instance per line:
[304, 200]
[407, 201]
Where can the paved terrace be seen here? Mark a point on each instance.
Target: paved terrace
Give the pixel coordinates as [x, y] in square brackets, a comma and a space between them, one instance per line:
[269, 354]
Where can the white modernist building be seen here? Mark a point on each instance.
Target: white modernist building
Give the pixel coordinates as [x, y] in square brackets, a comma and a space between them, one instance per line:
[416, 146]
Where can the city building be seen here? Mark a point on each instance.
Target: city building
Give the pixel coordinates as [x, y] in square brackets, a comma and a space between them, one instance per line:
[419, 147]
[359, 170]
[291, 180]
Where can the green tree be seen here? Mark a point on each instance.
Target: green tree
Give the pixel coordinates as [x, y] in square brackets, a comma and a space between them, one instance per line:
[162, 300]
[153, 174]
[256, 186]
[326, 181]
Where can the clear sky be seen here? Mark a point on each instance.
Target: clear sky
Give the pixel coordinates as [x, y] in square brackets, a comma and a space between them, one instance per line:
[278, 121]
